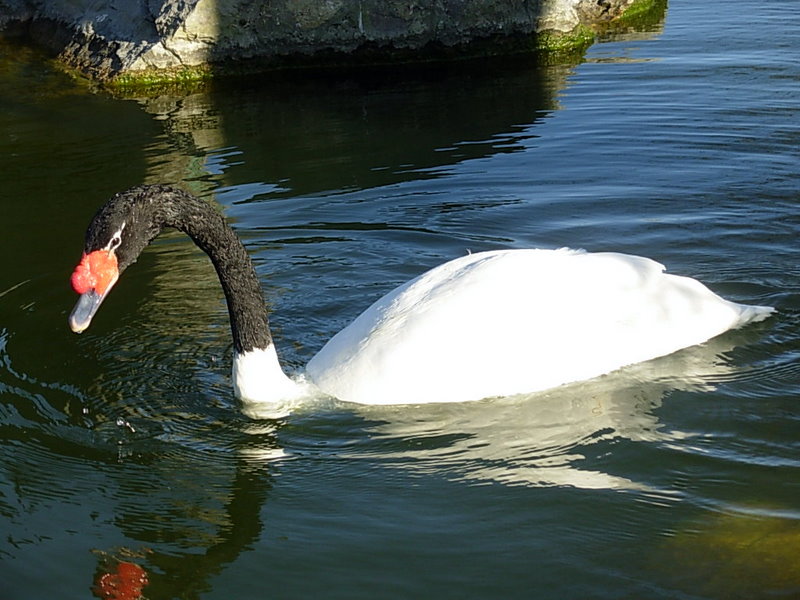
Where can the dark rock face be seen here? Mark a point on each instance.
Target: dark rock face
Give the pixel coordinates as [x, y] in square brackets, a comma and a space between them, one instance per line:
[109, 38]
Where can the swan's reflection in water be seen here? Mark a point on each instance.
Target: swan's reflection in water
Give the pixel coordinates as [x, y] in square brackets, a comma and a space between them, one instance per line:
[545, 439]
[567, 437]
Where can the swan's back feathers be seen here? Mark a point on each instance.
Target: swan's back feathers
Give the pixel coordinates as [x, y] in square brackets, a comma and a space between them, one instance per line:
[515, 321]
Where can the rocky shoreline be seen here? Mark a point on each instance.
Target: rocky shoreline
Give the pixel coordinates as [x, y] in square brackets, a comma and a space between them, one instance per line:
[119, 42]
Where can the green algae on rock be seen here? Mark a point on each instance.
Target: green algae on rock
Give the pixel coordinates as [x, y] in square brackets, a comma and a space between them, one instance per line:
[138, 45]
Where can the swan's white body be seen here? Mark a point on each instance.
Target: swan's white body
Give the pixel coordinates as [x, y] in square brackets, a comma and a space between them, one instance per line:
[502, 323]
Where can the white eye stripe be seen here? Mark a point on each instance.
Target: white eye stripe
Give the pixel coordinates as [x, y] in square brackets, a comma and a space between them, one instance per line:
[116, 239]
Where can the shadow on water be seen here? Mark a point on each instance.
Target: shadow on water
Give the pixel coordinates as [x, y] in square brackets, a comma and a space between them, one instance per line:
[296, 135]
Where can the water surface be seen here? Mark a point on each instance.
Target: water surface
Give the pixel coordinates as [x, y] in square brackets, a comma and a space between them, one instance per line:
[673, 479]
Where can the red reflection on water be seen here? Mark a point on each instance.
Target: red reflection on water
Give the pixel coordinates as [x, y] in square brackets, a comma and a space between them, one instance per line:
[123, 583]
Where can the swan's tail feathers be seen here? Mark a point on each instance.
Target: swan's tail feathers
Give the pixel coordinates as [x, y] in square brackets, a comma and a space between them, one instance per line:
[753, 314]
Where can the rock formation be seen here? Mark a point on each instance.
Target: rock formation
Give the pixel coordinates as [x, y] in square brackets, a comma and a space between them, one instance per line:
[113, 39]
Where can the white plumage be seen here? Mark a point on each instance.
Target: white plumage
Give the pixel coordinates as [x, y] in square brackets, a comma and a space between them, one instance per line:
[516, 321]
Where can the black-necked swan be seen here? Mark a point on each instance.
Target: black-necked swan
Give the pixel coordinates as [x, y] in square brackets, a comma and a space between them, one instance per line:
[487, 324]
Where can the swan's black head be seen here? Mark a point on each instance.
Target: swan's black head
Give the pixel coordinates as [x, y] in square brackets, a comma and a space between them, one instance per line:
[130, 220]
[116, 236]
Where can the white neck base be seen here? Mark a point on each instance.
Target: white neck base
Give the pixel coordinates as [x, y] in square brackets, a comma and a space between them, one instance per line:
[259, 379]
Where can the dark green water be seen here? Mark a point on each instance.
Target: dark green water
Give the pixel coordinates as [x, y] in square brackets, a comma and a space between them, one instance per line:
[679, 478]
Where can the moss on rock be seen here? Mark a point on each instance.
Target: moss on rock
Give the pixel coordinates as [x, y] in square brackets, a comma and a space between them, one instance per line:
[177, 44]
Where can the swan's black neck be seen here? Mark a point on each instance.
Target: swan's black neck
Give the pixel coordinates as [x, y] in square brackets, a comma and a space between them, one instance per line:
[144, 211]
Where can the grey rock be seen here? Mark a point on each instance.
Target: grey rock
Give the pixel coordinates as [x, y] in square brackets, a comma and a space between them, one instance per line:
[109, 38]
